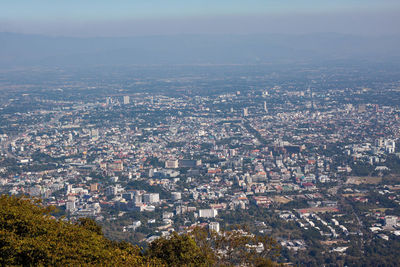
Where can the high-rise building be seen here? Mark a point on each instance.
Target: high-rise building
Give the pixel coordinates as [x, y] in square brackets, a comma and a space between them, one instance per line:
[390, 146]
[151, 198]
[208, 213]
[111, 191]
[70, 138]
[245, 112]
[172, 164]
[213, 226]
[70, 206]
[126, 99]
[94, 134]
[137, 198]
[391, 221]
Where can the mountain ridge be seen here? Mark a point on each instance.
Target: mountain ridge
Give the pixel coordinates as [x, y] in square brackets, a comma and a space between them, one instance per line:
[39, 50]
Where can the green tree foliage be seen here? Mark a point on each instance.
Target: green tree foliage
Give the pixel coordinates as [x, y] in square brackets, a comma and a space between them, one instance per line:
[29, 235]
[179, 250]
[227, 248]
[236, 247]
[90, 225]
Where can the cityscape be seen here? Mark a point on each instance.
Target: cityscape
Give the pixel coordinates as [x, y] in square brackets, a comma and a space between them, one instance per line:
[307, 155]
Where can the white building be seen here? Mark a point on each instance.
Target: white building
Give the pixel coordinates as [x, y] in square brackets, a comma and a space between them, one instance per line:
[137, 199]
[94, 134]
[167, 215]
[390, 146]
[208, 213]
[391, 221]
[245, 112]
[133, 226]
[214, 226]
[126, 100]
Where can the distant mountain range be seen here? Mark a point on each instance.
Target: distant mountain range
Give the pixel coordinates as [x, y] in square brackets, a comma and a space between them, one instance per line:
[22, 50]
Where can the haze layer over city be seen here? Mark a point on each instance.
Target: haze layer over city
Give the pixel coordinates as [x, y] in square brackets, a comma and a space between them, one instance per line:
[266, 119]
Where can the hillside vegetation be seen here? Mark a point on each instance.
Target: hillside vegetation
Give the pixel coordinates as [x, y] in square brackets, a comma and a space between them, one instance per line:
[30, 235]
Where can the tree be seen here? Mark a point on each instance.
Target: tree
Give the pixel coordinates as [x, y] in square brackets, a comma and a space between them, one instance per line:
[29, 235]
[90, 225]
[178, 250]
[237, 247]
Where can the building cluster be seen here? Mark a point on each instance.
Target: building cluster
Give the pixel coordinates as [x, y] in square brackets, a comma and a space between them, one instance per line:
[187, 161]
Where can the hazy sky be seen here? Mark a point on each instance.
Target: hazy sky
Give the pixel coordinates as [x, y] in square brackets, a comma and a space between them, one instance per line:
[132, 17]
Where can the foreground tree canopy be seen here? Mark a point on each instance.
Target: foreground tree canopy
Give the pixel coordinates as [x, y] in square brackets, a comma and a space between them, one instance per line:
[30, 235]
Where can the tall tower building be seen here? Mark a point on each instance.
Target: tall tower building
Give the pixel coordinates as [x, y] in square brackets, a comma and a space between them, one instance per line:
[126, 99]
[265, 107]
[70, 138]
[245, 112]
[94, 134]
